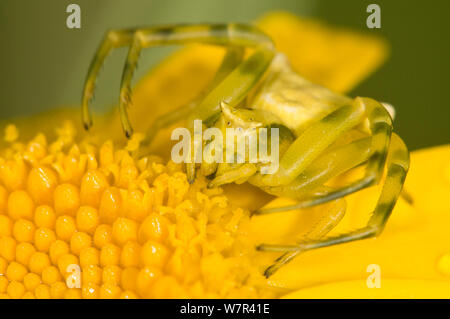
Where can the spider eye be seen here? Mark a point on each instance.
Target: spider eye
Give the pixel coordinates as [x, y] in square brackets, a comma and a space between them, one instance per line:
[229, 123]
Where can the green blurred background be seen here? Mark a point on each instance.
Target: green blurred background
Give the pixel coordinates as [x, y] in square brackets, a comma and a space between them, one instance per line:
[43, 64]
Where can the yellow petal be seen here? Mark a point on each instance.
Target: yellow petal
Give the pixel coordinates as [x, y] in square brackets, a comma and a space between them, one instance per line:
[414, 245]
[391, 288]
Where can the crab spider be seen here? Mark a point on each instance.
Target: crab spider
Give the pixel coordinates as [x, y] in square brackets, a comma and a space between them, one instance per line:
[322, 134]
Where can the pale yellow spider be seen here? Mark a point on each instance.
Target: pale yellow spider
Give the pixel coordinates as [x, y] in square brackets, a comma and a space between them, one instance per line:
[322, 134]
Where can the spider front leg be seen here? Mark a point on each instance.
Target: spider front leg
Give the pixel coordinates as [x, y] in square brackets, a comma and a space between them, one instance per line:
[233, 57]
[237, 173]
[397, 168]
[330, 217]
[237, 35]
[312, 142]
[232, 89]
[380, 124]
[327, 166]
[113, 39]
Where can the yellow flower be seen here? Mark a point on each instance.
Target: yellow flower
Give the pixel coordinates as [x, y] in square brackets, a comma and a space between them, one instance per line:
[136, 227]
